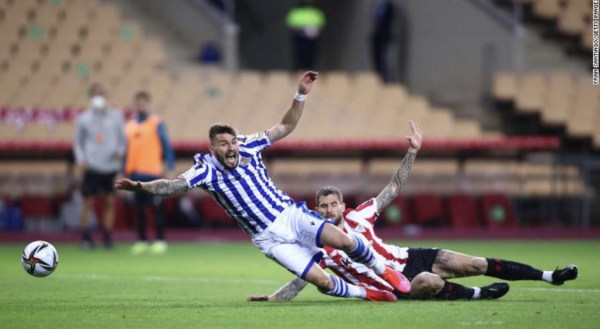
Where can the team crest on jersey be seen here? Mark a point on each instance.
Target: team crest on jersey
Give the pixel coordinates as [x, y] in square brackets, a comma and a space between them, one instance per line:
[244, 161]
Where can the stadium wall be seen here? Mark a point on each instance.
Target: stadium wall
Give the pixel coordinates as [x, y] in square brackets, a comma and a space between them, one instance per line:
[445, 50]
[451, 44]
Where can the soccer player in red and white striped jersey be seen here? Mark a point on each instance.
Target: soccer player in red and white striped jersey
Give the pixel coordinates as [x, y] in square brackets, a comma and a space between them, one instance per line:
[427, 268]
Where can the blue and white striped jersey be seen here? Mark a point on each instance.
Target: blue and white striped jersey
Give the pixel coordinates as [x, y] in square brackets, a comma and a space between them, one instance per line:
[246, 193]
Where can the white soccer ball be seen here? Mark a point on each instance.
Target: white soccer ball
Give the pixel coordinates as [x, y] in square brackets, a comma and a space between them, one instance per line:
[39, 258]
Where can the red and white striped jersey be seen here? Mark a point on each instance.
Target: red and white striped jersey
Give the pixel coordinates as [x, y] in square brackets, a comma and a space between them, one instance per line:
[360, 221]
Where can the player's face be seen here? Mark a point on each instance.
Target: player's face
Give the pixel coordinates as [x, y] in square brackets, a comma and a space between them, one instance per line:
[330, 207]
[226, 149]
[142, 105]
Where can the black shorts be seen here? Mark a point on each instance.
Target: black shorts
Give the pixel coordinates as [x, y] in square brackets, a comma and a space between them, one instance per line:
[419, 260]
[95, 183]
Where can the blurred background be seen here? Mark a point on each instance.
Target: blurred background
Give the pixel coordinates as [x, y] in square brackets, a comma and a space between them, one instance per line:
[501, 89]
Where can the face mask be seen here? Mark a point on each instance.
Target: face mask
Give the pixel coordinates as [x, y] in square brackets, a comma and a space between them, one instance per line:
[97, 103]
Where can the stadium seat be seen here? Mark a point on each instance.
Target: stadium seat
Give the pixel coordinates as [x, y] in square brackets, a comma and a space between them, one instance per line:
[429, 210]
[558, 99]
[536, 179]
[530, 93]
[571, 22]
[547, 9]
[37, 207]
[504, 87]
[213, 214]
[463, 212]
[484, 176]
[498, 211]
[398, 213]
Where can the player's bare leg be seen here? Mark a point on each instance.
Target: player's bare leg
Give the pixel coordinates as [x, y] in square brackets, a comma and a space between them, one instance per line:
[335, 286]
[362, 253]
[426, 285]
[88, 206]
[450, 264]
[108, 219]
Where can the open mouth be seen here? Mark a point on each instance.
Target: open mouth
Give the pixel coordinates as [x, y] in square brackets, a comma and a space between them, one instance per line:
[231, 159]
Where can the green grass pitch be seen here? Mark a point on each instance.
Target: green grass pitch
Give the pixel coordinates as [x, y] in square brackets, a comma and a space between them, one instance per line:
[201, 285]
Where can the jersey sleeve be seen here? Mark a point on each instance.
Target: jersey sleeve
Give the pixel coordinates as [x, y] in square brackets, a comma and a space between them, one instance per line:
[368, 210]
[196, 175]
[254, 143]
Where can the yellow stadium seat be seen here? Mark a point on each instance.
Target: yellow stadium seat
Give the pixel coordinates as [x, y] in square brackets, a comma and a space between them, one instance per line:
[504, 87]
[547, 9]
[530, 93]
[571, 22]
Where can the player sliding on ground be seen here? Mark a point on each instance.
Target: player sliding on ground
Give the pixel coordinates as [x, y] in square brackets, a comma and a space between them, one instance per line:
[428, 269]
[285, 231]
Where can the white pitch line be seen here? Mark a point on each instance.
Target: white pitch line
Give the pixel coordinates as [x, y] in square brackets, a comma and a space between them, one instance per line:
[480, 323]
[560, 290]
[163, 279]
[249, 281]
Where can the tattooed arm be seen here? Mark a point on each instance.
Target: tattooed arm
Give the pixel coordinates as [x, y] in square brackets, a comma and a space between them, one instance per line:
[158, 187]
[285, 293]
[390, 192]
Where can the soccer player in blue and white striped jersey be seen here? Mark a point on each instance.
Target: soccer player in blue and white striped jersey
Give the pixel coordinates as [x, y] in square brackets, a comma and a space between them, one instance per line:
[285, 231]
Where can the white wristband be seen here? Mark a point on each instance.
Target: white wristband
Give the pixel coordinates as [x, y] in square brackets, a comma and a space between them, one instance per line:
[299, 97]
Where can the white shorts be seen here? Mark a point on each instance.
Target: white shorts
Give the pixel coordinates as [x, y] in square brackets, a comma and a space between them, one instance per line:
[293, 239]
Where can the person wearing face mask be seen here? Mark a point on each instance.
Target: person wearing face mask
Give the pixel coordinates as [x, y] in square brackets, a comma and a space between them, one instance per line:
[147, 147]
[98, 147]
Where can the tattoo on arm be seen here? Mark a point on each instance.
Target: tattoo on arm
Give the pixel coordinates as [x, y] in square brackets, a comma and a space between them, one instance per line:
[165, 187]
[275, 133]
[290, 290]
[390, 192]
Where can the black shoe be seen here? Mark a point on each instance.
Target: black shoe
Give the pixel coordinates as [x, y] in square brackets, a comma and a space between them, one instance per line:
[87, 245]
[494, 290]
[559, 276]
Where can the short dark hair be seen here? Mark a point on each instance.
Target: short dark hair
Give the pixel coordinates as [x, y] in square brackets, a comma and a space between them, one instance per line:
[328, 190]
[219, 128]
[95, 89]
[142, 94]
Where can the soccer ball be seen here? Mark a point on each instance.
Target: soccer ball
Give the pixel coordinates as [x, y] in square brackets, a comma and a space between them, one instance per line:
[39, 258]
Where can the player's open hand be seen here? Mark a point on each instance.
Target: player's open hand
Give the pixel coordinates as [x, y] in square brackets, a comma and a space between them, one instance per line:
[306, 82]
[417, 136]
[261, 298]
[128, 185]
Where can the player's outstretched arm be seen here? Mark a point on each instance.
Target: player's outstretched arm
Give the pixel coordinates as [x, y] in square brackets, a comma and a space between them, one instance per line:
[292, 116]
[285, 293]
[390, 192]
[159, 187]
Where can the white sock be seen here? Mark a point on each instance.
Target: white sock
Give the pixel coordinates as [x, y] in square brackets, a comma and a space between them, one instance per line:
[476, 293]
[379, 268]
[356, 291]
[547, 276]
